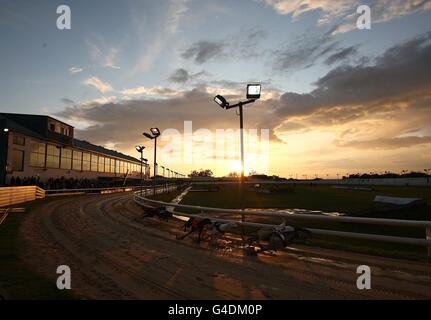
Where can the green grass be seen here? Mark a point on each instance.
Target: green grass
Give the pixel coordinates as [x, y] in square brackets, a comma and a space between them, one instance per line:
[17, 281]
[325, 198]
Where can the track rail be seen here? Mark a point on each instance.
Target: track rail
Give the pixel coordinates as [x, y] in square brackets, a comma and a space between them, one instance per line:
[311, 218]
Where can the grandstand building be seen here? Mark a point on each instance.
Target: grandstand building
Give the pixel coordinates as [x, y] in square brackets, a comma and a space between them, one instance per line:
[44, 147]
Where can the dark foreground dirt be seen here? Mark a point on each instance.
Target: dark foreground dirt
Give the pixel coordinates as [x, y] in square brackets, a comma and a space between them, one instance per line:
[113, 254]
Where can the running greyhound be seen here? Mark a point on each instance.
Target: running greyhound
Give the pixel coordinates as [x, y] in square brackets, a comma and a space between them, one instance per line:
[279, 237]
[218, 229]
[195, 225]
[160, 212]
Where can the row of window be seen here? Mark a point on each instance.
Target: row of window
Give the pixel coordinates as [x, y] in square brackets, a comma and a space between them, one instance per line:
[70, 159]
[60, 128]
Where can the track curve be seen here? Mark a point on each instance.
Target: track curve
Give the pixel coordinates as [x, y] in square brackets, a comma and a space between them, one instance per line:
[113, 254]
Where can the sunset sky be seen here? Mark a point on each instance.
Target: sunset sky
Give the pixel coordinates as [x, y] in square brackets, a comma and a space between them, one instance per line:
[335, 99]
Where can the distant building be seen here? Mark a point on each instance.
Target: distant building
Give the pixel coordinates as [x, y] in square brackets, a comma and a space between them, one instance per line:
[44, 147]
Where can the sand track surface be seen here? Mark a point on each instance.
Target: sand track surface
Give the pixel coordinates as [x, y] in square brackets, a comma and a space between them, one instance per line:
[114, 254]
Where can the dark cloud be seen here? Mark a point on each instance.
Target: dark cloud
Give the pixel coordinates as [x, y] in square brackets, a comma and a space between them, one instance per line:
[182, 75]
[204, 50]
[245, 42]
[304, 52]
[341, 55]
[123, 122]
[401, 70]
[385, 143]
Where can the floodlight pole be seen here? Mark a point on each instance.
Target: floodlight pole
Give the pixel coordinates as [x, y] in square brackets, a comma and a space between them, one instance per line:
[142, 176]
[164, 180]
[221, 101]
[155, 163]
[241, 129]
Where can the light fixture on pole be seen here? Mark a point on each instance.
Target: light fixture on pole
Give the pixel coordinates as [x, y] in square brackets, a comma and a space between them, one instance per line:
[155, 133]
[147, 167]
[140, 149]
[253, 94]
[4, 138]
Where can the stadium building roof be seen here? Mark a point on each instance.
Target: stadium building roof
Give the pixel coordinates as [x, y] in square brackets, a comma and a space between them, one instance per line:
[36, 126]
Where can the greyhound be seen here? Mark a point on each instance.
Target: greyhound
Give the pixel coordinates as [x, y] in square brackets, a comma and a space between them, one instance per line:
[160, 212]
[218, 229]
[279, 237]
[195, 225]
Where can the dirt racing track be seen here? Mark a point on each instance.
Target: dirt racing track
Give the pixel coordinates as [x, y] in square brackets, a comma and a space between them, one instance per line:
[114, 254]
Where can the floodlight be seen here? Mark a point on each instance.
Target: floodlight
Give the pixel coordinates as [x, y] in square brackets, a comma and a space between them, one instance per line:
[6, 130]
[139, 148]
[221, 101]
[253, 91]
[149, 136]
[155, 131]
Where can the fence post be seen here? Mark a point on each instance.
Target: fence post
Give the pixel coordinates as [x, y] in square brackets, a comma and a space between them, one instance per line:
[428, 237]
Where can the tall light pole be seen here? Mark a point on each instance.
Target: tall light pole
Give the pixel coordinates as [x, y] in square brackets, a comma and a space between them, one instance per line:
[4, 139]
[155, 133]
[253, 94]
[140, 149]
[163, 168]
[164, 181]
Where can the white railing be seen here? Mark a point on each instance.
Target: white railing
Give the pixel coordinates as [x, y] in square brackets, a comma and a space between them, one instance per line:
[426, 241]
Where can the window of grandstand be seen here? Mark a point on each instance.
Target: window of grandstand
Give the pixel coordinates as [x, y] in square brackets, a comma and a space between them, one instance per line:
[94, 162]
[101, 164]
[112, 170]
[66, 159]
[107, 164]
[86, 162]
[77, 160]
[37, 154]
[52, 156]
[18, 140]
[17, 160]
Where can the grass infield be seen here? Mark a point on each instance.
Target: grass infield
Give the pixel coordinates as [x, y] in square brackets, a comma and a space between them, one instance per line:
[328, 199]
